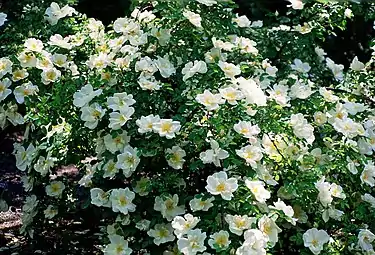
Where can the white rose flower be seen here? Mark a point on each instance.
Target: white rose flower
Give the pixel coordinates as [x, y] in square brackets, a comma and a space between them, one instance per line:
[336, 191]
[118, 119]
[120, 101]
[128, 160]
[365, 238]
[301, 128]
[280, 94]
[325, 196]
[198, 204]
[209, 100]
[214, 155]
[219, 184]
[27, 59]
[146, 123]
[357, 65]
[118, 246]
[231, 94]
[213, 55]
[55, 189]
[43, 165]
[50, 212]
[207, 2]
[121, 200]
[5, 66]
[50, 75]
[219, 240]
[258, 190]
[192, 243]
[369, 199]
[333, 213]
[227, 46]
[337, 70]
[25, 90]
[165, 67]
[287, 210]
[92, 114]
[163, 35]
[348, 127]
[252, 154]
[146, 65]
[99, 197]
[182, 225]
[60, 60]
[59, 41]
[252, 92]
[12, 115]
[255, 243]
[3, 18]
[246, 129]
[33, 44]
[191, 68]
[300, 90]
[110, 169]
[296, 4]
[148, 82]
[320, 118]
[175, 157]
[239, 223]
[328, 95]
[315, 239]
[162, 233]
[83, 96]
[300, 66]
[116, 143]
[54, 13]
[246, 45]
[241, 21]
[194, 18]
[368, 174]
[269, 228]
[230, 70]
[167, 128]
[143, 225]
[168, 206]
[4, 88]
[24, 157]
[354, 108]
[19, 74]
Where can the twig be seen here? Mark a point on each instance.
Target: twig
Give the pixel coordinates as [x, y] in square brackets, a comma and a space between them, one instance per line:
[274, 144]
[369, 100]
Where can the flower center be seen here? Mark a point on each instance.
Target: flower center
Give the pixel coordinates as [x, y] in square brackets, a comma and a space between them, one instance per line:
[123, 201]
[166, 127]
[314, 242]
[220, 187]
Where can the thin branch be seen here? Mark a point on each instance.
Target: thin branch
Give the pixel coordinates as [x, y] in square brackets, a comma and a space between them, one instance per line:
[274, 144]
[366, 98]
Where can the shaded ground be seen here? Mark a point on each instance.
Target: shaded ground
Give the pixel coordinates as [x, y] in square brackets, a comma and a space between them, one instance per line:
[12, 192]
[74, 235]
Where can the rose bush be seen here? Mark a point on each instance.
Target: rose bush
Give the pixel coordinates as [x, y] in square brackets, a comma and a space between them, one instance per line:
[197, 131]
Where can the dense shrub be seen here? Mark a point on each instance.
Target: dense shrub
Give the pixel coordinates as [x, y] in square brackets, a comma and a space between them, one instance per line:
[197, 130]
